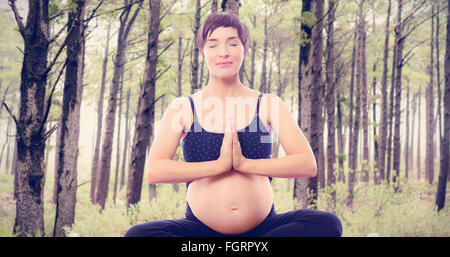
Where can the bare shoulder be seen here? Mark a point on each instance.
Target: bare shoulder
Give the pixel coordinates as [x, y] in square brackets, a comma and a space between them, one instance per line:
[269, 104]
[180, 106]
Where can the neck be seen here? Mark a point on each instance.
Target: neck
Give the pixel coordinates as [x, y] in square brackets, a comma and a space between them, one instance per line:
[223, 87]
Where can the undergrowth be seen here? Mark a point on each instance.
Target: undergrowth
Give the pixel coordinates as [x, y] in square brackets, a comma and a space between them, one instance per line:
[376, 209]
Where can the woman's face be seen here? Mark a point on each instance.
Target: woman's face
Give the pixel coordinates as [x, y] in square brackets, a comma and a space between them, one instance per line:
[223, 52]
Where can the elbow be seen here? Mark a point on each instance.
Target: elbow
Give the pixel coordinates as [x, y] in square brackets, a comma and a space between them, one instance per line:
[151, 176]
[308, 167]
[313, 170]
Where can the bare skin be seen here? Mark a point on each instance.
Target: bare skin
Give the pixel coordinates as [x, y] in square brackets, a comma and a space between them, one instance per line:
[231, 202]
[232, 194]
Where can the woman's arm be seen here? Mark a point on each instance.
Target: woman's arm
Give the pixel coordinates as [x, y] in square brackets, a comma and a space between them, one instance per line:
[299, 160]
[161, 167]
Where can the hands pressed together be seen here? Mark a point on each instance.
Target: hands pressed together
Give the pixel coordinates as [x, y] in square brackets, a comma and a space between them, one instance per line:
[231, 153]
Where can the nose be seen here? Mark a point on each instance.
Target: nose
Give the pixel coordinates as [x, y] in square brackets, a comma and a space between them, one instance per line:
[223, 51]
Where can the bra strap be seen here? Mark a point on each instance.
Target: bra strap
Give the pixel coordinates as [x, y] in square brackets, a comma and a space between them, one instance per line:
[193, 108]
[257, 110]
[257, 105]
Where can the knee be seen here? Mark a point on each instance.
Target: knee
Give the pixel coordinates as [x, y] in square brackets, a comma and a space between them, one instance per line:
[149, 229]
[135, 231]
[331, 224]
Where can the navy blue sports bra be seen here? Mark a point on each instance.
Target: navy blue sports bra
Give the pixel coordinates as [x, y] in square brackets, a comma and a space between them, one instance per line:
[200, 145]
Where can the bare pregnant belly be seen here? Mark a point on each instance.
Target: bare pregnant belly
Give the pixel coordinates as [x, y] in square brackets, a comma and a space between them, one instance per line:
[232, 202]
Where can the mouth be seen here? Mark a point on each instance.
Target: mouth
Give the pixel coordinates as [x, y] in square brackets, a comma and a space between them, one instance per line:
[224, 64]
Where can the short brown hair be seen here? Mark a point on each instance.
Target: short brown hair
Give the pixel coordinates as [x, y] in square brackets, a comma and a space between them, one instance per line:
[222, 19]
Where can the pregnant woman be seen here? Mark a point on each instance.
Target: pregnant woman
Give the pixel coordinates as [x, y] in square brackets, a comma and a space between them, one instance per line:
[226, 131]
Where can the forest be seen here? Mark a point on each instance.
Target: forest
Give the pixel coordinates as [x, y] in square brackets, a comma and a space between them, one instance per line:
[84, 84]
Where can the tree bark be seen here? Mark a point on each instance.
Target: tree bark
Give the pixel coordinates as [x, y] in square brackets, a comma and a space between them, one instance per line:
[330, 101]
[419, 107]
[445, 142]
[253, 54]
[399, 40]
[411, 144]
[146, 112]
[341, 174]
[194, 64]
[70, 123]
[352, 83]
[57, 150]
[406, 149]
[438, 75]
[353, 162]
[374, 115]
[231, 6]
[364, 109]
[125, 26]
[391, 115]
[304, 102]
[180, 67]
[381, 162]
[95, 161]
[116, 177]
[429, 162]
[262, 84]
[125, 145]
[30, 177]
[316, 98]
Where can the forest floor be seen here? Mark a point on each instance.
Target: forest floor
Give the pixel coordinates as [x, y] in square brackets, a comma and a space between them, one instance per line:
[376, 211]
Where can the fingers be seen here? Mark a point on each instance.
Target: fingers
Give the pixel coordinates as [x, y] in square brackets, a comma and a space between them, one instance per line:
[230, 129]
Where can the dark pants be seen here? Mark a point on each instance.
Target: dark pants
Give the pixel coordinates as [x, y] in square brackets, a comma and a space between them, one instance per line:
[298, 223]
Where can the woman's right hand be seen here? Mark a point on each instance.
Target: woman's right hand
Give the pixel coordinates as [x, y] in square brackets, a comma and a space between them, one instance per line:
[225, 159]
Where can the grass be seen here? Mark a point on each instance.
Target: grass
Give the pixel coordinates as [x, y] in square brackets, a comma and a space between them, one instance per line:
[376, 209]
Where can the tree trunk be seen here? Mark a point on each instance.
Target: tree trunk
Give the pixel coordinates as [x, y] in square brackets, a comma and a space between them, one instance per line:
[374, 120]
[262, 84]
[330, 102]
[180, 67]
[304, 102]
[419, 108]
[445, 142]
[381, 162]
[391, 115]
[125, 145]
[411, 144]
[355, 134]
[399, 40]
[8, 149]
[406, 148]
[253, 51]
[146, 112]
[30, 177]
[231, 6]
[364, 109]
[124, 29]
[214, 5]
[316, 97]
[70, 123]
[57, 150]
[429, 163]
[352, 82]
[438, 75]
[341, 174]
[116, 177]
[95, 161]
[195, 52]
[6, 141]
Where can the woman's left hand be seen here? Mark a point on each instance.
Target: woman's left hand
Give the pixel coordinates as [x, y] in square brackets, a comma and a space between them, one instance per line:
[238, 158]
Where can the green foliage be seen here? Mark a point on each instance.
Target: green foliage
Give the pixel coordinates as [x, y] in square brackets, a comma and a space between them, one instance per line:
[376, 209]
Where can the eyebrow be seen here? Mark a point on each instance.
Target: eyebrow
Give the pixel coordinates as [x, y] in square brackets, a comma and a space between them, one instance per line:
[214, 39]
